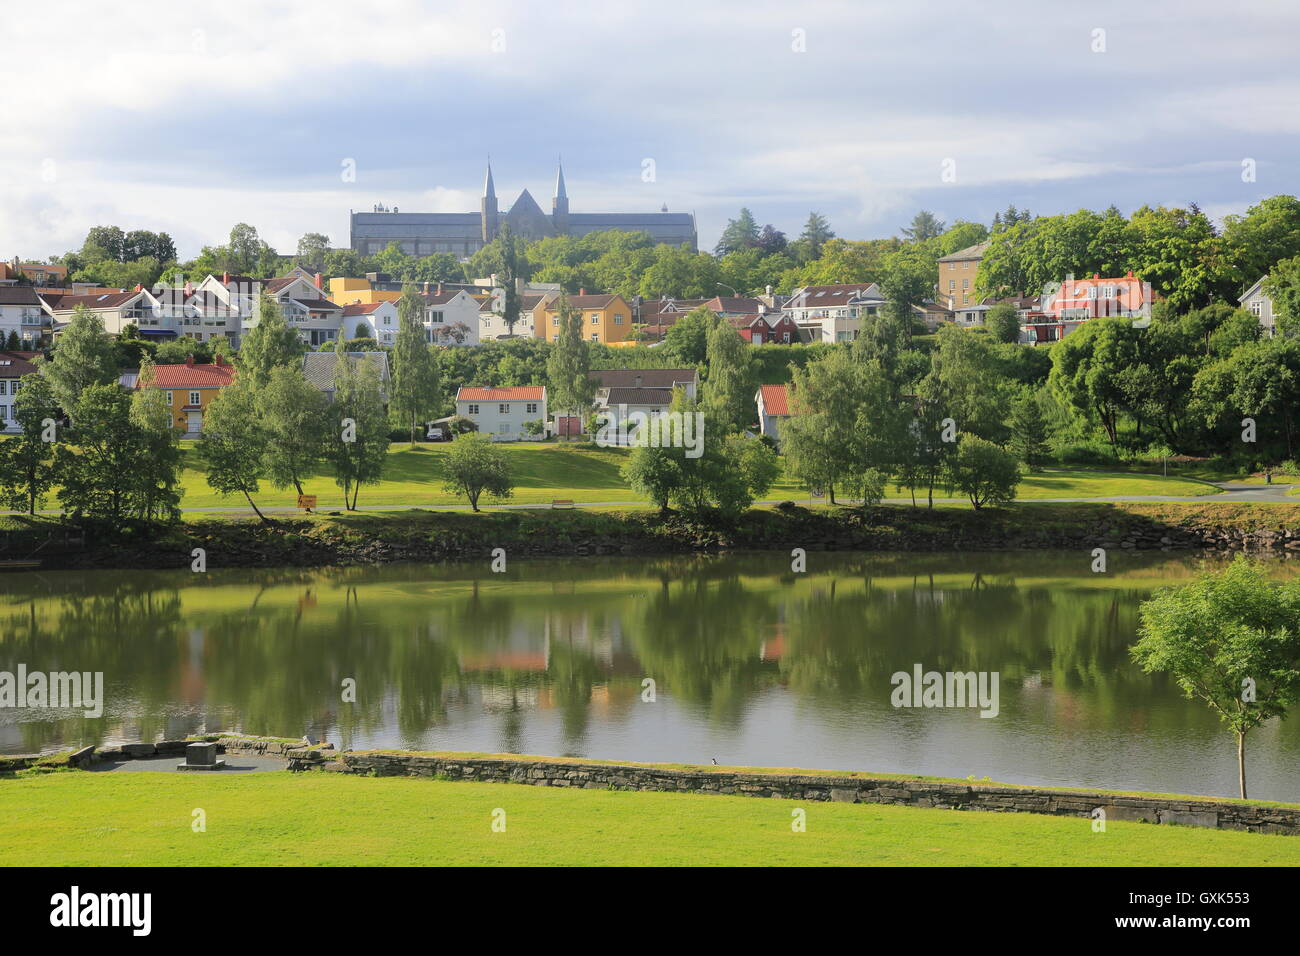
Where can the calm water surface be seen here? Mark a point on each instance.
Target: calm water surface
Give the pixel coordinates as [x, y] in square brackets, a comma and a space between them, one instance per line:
[752, 665]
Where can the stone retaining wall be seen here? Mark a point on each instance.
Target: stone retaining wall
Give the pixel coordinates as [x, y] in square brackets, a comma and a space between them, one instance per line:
[1187, 811]
[839, 789]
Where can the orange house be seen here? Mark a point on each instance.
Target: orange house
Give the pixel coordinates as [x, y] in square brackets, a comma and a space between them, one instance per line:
[190, 388]
[605, 318]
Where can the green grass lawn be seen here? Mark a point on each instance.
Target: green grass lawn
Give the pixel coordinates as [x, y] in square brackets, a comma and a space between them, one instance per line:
[544, 472]
[314, 819]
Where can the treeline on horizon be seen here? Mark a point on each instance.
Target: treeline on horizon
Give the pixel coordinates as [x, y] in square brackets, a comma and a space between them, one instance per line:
[1189, 260]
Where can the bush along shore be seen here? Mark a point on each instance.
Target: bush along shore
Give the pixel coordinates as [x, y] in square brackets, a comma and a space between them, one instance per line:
[432, 536]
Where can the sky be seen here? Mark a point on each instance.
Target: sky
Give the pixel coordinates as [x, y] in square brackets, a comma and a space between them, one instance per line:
[190, 117]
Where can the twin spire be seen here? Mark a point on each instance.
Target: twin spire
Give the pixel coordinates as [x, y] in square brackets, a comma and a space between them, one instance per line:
[490, 191]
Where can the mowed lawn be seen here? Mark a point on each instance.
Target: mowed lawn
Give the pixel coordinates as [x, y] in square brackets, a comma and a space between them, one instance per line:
[545, 472]
[322, 819]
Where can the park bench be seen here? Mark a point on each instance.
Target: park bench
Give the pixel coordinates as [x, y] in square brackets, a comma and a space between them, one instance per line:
[562, 503]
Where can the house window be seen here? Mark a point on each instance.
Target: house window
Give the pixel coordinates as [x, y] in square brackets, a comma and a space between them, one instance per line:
[169, 397]
[965, 283]
[618, 318]
[952, 284]
[4, 387]
[595, 336]
[194, 398]
[503, 409]
[532, 408]
[473, 410]
[595, 319]
[388, 320]
[1256, 309]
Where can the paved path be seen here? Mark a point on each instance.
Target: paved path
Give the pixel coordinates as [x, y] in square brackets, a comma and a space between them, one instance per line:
[235, 763]
[1230, 492]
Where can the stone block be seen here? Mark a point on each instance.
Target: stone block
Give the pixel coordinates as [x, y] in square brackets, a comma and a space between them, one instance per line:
[1191, 818]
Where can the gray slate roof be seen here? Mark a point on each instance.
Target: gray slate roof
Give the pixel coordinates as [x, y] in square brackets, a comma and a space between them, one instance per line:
[318, 367]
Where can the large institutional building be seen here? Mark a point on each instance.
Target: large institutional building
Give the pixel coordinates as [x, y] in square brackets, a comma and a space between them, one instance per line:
[464, 233]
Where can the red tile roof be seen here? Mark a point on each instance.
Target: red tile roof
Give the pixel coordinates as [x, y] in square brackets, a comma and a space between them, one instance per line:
[775, 399]
[512, 393]
[192, 376]
[363, 308]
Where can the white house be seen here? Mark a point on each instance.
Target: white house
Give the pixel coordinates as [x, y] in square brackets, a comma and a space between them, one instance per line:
[316, 319]
[373, 320]
[503, 412]
[116, 310]
[451, 318]
[833, 313]
[492, 324]
[1259, 304]
[773, 403]
[687, 379]
[21, 315]
[13, 366]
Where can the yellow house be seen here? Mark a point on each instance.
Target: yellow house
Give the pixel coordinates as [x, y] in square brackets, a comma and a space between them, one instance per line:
[605, 318]
[344, 291]
[957, 274]
[190, 388]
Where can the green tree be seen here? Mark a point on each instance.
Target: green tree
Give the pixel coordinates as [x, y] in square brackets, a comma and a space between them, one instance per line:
[569, 384]
[1003, 322]
[83, 357]
[740, 233]
[27, 471]
[122, 465]
[296, 420]
[1028, 427]
[687, 339]
[984, 472]
[816, 233]
[653, 471]
[232, 447]
[1231, 640]
[416, 394]
[907, 281]
[271, 344]
[158, 491]
[312, 250]
[1283, 287]
[358, 450]
[925, 225]
[475, 465]
[729, 391]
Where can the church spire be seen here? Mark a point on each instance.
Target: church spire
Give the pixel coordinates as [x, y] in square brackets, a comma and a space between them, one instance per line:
[488, 215]
[560, 204]
[559, 181]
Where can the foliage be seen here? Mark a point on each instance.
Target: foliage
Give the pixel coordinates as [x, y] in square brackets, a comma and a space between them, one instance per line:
[474, 465]
[1231, 640]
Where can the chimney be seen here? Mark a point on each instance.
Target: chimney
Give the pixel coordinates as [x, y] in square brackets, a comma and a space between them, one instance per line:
[189, 360]
[220, 360]
[189, 287]
[225, 278]
[319, 280]
[138, 288]
[582, 292]
[439, 288]
[426, 287]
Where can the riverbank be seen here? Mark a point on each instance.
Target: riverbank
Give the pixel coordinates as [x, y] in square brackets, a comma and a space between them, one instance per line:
[433, 536]
[91, 819]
